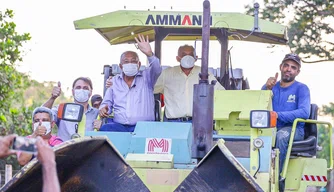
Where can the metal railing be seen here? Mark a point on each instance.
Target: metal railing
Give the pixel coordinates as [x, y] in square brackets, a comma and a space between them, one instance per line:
[292, 135]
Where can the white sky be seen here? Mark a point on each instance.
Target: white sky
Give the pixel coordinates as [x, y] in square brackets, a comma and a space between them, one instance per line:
[58, 52]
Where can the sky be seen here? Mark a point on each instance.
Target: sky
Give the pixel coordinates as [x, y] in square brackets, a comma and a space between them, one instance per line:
[58, 52]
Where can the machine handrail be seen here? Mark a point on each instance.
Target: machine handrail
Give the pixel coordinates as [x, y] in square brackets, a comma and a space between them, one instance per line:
[292, 135]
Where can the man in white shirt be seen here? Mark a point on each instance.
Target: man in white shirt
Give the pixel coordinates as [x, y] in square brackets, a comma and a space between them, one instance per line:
[177, 85]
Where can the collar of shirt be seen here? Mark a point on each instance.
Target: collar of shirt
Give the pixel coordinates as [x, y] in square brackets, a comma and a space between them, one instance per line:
[89, 108]
[180, 70]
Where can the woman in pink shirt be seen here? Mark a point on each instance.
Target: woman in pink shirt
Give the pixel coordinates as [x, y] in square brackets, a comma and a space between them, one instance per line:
[42, 125]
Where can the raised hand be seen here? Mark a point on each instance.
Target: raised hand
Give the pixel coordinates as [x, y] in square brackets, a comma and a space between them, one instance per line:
[40, 130]
[144, 45]
[271, 82]
[56, 91]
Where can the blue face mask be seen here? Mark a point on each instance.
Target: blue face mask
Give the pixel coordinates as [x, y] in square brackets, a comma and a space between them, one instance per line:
[130, 69]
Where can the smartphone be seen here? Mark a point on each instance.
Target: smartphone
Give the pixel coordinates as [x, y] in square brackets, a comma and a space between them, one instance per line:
[24, 144]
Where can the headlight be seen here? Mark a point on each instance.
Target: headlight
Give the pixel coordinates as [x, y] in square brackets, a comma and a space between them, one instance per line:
[262, 119]
[70, 112]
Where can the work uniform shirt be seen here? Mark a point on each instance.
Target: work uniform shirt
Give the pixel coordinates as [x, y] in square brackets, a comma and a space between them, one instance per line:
[137, 102]
[290, 103]
[67, 128]
[178, 89]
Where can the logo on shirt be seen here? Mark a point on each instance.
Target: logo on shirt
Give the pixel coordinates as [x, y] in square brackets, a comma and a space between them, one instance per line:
[158, 146]
[291, 99]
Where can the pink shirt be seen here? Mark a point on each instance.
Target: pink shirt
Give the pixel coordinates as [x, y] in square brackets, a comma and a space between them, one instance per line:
[54, 140]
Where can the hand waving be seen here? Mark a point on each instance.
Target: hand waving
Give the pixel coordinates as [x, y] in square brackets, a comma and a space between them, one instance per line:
[144, 45]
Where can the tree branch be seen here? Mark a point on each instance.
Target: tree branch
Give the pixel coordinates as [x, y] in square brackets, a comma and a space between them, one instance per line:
[326, 13]
[317, 61]
[329, 42]
[311, 5]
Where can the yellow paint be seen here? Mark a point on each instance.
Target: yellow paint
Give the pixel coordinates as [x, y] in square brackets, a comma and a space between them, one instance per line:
[162, 180]
[153, 161]
[304, 166]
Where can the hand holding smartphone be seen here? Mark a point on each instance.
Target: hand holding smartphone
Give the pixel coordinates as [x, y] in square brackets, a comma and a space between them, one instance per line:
[24, 144]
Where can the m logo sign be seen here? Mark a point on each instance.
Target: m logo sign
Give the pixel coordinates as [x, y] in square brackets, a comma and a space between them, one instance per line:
[158, 146]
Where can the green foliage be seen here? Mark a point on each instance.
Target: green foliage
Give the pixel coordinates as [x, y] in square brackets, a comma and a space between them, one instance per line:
[12, 82]
[328, 109]
[309, 25]
[323, 134]
[20, 120]
[19, 95]
[323, 142]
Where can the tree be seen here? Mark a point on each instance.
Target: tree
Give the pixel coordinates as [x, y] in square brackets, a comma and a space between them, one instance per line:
[328, 109]
[309, 26]
[12, 82]
[19, 94]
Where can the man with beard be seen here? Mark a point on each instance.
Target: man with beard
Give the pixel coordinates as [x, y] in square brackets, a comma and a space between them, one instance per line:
[291, 100]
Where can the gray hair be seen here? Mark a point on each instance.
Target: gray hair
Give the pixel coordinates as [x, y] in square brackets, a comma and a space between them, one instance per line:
[179, 51]
[126, 52]
[42, 110]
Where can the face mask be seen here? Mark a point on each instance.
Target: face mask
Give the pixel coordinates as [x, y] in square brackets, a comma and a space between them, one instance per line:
[130, 69]
[46, 124]
[188, 61]
[81, 95]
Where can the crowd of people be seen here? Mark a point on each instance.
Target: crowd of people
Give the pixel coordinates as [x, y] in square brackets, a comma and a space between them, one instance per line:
[130, 98]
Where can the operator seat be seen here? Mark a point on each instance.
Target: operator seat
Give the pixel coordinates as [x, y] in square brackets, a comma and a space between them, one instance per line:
[308, 146]
[157, 110]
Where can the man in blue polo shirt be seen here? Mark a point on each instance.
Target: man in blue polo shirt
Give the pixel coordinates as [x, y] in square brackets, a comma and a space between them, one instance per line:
[291, 100]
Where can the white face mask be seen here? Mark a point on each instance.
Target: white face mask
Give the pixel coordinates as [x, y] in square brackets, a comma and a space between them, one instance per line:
[130, 69]
[81, 95]
[188, 61]
[46, 124]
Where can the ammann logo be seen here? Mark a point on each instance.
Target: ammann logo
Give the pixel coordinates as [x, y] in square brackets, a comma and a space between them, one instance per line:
[175, 20]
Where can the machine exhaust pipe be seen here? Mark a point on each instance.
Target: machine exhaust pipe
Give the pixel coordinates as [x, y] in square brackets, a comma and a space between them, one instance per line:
[203, 96]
